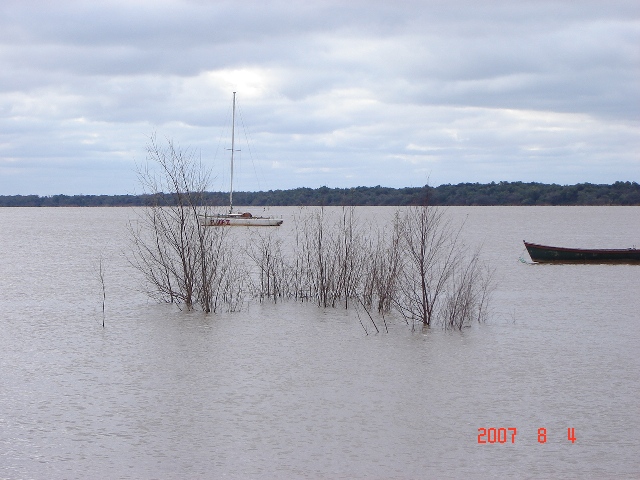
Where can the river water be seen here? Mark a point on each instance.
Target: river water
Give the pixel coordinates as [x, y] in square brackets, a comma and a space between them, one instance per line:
[294, 391]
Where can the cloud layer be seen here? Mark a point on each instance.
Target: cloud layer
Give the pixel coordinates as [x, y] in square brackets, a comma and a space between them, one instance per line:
[330, 93]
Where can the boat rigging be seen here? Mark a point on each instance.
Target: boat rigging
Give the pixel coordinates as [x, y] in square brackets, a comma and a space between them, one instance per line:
[231, 218]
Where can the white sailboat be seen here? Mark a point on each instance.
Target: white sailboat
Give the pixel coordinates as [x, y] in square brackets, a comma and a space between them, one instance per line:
[232, 218]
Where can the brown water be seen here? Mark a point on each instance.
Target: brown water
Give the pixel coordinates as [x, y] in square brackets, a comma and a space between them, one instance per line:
[293, 391]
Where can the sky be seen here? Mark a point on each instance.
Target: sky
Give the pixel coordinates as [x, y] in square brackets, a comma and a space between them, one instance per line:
[336, 93]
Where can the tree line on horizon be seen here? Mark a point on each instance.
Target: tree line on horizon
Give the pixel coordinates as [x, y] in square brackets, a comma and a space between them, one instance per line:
[462, 194]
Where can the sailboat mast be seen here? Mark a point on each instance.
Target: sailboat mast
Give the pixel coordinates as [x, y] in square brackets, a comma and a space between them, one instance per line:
[233, 127]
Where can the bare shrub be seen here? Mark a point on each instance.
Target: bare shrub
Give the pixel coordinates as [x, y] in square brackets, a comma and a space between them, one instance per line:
[265, 249]
[182, 261]
[417, 265]
[440, 280]
[101, 274]
[468, 294]
[349, 253]
[387, 265]
[328, 257]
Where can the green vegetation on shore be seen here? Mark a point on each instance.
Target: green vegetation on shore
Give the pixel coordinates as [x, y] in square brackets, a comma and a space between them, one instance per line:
[502, 193]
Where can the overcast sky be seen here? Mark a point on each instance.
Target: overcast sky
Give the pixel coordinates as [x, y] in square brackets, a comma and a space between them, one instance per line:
[337, 93]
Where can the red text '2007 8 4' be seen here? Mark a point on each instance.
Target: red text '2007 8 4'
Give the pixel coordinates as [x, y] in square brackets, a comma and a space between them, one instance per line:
[503, 435]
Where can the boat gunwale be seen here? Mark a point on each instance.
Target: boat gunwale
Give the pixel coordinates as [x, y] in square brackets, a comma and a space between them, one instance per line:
[581, 250]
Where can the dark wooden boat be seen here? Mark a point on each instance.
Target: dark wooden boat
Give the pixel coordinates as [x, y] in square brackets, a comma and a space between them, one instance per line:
[547, 254]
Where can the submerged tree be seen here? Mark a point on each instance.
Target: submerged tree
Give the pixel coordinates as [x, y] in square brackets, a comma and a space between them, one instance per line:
[385, 267]
[328, 257]
[182, 261]
[417, 264]
[271, 280]
[440, 280]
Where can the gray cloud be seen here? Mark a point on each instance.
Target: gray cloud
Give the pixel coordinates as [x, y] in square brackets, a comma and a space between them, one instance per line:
[361, 93]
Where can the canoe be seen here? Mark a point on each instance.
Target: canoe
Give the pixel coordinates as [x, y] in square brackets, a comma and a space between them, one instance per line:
[548, 254]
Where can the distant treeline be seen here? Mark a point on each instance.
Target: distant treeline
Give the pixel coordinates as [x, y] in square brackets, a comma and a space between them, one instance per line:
[502, 193]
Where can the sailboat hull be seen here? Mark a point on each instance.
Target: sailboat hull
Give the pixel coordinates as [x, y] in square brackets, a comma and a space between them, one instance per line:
[239, 221]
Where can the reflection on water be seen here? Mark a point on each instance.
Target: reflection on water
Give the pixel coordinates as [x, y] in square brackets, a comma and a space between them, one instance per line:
[294, 391]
